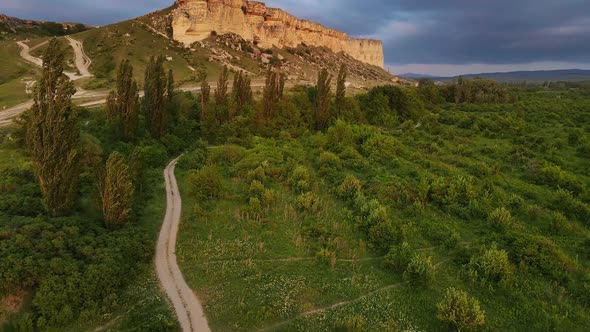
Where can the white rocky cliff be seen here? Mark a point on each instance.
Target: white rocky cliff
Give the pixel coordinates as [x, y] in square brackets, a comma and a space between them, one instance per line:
[194, 20]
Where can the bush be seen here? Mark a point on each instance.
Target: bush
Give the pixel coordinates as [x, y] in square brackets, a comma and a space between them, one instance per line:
[349, 188]
[256, 189]
[420, 270]
[309, 203]
[300, 180]
[194, 159]
[460, 310]
[398, 257]
[205, 184]
[329, 163]
[269, 197]
[382, 235]
[500, 218]
[491, 267]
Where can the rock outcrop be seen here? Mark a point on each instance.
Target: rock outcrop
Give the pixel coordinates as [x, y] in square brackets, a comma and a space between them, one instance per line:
[194, 20]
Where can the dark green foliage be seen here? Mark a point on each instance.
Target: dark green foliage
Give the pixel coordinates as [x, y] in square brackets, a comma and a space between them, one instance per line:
[205, 184]
[241, 93]
[491, 266]
[403, 103]
[155, 101]
[116, 191]
[52, 135]
[221, 91]
[123, 104]
[420, 270]
[323, 100]
[398, 257]
[341, 89]
[478, 90]
[272, 94]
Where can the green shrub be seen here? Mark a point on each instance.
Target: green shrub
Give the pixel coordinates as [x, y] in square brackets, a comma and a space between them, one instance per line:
[398, 257]
[382, 234]
[349, 188]
[500, 218]
[554, 176]
[270, 197]
[565, 202]
[256, 189]
[460, 310]
[193, 160]
[300, 180]
[491, 267]
[420, 270]
[353, 323]
[309, 203]
[329, 163]
[206, 183]
[228, 154]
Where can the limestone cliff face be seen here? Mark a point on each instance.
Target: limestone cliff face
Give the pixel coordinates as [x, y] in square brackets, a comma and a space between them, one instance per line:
[193, 20]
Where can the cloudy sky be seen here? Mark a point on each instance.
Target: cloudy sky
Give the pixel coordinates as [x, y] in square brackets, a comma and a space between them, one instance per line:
[441, 37]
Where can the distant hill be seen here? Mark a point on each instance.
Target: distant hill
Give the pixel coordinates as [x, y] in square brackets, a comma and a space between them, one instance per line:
[416, 76]
[12, 27]
[519, 76]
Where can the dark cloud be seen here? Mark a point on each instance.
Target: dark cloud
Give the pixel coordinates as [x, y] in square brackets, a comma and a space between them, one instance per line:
[413, 31]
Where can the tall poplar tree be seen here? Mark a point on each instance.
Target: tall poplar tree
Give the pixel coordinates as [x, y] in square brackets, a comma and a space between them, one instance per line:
[205, 96]
[156, 98]
[272, 93]
[242, 91]
[52, 135]
[341, 89]
[221, 90]
[116, 191]
[323, 99]
[123, 103]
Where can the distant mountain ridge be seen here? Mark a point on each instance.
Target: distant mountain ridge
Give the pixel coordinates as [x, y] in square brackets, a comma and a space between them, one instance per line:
[518, 76]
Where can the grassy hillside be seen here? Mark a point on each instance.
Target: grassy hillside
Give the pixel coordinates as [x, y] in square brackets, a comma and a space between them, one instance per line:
[14, 73]
[366, 227]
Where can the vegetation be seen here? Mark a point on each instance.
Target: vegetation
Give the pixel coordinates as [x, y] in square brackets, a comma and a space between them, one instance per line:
[304, 211]
[460, 310]
[123, 104]
[53, 136]
[379, 222]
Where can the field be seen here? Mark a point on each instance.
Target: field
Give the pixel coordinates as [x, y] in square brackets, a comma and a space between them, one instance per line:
[365, 227]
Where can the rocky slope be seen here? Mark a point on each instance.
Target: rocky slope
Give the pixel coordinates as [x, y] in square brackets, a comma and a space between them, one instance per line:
[194, 20]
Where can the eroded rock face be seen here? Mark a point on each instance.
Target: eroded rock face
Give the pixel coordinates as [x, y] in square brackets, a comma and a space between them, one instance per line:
[194, 20]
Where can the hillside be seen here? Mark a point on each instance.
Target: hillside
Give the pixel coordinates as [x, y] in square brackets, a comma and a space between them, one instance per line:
[538, 76]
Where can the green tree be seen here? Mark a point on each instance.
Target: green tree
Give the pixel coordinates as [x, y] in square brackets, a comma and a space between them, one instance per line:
[52, 135]
[341, 89]
[221, 90]
[460, 310]
[116, 191]
[156, 99]
[123, 103]
[323, 100]
[242, 91]
[205, 96]
[272, 93]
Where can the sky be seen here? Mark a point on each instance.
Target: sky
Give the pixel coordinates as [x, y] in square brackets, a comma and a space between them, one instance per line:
[438, 37]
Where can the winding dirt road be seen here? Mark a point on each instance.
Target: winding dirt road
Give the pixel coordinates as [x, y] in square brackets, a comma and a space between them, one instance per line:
[188, 308]
[82, 60]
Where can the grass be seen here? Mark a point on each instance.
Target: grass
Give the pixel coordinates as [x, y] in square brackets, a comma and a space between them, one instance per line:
[14, 72]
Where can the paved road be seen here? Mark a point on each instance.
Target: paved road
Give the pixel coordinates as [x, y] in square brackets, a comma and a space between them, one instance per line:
[188, 308]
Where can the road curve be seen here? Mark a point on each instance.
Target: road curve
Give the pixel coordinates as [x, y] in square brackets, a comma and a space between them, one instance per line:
[82, 60]
[186, 305]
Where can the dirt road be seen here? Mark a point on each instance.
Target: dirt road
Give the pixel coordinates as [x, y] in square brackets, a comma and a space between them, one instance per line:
[188, 308]
[82, 61]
